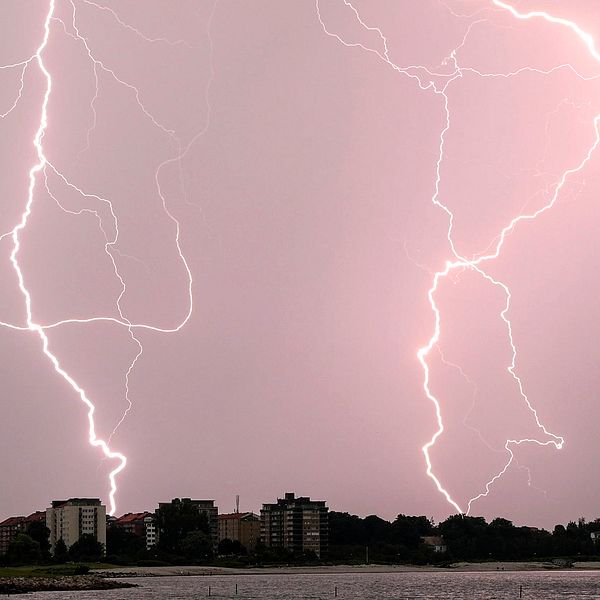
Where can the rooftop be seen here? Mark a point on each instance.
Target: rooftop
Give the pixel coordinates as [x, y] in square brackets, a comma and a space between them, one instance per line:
[76, 502]
[131, 518]
[12, 521]
[234, 516]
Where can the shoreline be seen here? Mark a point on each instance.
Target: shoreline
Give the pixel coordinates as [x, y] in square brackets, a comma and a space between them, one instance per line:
[115, 578]
[459, 567]
[60, 583]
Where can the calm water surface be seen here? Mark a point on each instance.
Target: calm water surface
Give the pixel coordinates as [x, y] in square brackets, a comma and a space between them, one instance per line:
[364, 586]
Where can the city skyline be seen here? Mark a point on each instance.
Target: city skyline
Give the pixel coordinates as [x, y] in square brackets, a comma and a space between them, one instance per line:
[340, 247]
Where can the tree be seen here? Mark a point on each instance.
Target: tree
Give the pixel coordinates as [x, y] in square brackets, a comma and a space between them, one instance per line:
[346, 529]
[377, 529]
[23, 550]
[196, 545]
[61, 552]
[408, 531]
[86, 548]
[38, 531]
[466, 537]
[176, 520]
[229, 547]
[123, 543]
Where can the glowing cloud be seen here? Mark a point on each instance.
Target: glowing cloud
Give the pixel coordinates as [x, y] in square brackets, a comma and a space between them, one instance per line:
[41, 170]
[458, 263]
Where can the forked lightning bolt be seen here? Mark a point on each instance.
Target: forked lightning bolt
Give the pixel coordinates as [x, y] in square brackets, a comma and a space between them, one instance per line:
[426, 80]
[44, 169]
[31, 325]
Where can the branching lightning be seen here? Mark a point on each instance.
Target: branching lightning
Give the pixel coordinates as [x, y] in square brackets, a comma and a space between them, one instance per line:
[49, 173]
[458, 262]
[44, 172]
[31, 325]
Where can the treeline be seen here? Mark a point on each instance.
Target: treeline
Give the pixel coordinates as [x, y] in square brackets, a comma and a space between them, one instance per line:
[185, 539]
[355, 539]
[33, 547]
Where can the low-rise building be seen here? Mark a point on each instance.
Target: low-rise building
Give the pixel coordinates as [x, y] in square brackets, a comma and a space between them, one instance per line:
[241, 527]
[435, 542]
[296, 524]
[140, 524]
[133, 523]
[9, 528]
[70, 519]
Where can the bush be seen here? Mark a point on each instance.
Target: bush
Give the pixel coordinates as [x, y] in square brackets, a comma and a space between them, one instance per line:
[81, 570]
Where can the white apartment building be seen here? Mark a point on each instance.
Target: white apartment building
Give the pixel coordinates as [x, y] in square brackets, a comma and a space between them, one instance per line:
[70, 519]
[151, 532]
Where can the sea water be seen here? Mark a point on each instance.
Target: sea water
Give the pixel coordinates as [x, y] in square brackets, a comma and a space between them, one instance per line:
[502, 585]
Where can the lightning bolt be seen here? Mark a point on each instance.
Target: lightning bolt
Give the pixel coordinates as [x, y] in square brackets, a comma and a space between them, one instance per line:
[426, 80]
[31, 324]
[48, 173]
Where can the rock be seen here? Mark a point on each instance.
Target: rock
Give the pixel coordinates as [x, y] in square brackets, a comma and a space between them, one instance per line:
[22, 585]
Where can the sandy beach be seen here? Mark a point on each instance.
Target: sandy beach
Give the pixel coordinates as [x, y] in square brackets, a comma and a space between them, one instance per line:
[332, 569]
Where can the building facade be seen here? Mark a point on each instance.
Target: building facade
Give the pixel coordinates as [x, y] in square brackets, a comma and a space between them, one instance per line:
[140, 524]
[70, 519]
[9, 528]
[151, 531]
[296, 524]
[435, 542]
[133, 523]
[243, 527]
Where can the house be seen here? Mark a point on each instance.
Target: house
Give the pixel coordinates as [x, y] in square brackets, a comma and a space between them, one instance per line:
[435, 542]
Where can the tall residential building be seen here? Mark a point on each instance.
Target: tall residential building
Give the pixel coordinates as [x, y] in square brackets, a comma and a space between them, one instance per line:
[243, 527]
[9, 528]
[206, 507]
[70, 519]
[296, 524]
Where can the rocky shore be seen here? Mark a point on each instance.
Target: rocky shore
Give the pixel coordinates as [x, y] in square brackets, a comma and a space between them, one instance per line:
[23, 585]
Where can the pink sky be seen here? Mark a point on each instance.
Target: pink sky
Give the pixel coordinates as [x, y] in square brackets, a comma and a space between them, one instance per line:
[306, 219]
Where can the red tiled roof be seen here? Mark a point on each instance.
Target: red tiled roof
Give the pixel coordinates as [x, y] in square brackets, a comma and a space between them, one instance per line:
[12, 521]
[131, 517]
[38, 515]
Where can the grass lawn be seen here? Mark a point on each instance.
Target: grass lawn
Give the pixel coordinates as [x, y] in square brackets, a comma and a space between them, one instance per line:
[47, 570]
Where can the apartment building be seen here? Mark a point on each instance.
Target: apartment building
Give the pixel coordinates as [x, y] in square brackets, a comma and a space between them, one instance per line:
[133, 523]
[243, 527]
[296, 524]
[151, 531]
[9, 528]
[70, 519]
[140, 524]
